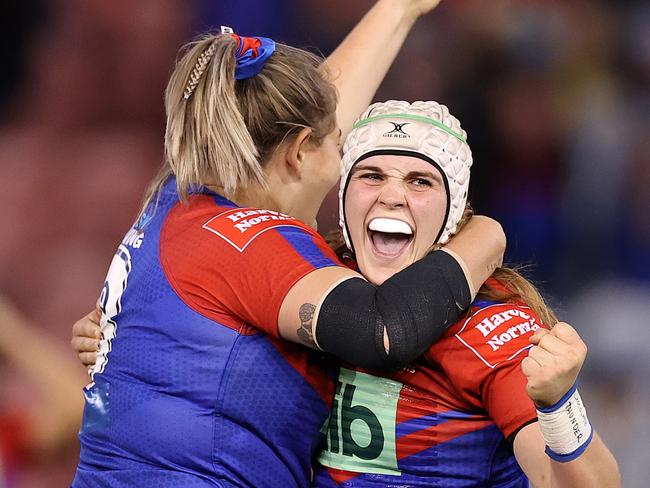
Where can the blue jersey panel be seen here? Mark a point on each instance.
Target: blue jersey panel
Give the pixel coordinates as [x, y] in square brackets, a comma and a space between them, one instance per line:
[305, 246]
[179, 400]
[268, 414]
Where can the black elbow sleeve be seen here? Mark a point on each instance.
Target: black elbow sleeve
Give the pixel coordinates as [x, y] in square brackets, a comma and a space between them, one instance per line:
[349, 326]
[434, 292]
[415, 307]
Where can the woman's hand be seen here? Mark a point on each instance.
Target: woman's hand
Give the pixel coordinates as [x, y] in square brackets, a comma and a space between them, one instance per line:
[423, 7]
[85, 337]
[553, 363]
[478, 262]
[552, 367]
[411, 10]
[359, 64]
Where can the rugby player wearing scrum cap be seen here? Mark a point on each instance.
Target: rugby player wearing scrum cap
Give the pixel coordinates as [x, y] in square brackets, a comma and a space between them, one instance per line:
[494, 402]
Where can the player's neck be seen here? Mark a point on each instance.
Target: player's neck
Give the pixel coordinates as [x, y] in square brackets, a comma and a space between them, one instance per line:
[282, 197]
[283, 192]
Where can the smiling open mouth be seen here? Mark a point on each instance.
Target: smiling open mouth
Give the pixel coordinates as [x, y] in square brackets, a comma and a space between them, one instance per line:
[389, 237]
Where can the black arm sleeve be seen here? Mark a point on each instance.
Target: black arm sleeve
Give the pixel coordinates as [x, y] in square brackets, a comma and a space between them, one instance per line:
[415, 306]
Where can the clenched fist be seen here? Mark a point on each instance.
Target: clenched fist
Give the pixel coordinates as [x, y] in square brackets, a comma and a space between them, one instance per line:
[424, 6]
[553, 363]
[413, 9]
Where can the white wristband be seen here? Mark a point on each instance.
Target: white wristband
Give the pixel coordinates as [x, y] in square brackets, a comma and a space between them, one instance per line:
[565, 427]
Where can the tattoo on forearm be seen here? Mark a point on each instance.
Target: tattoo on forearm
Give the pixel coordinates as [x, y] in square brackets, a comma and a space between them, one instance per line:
[306, 315]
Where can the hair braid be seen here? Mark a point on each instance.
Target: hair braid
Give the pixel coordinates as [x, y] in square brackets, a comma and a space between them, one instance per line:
[203, 98]
[199, 69]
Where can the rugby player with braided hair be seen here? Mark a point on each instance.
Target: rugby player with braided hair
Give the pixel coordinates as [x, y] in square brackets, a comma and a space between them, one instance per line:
[494, 401]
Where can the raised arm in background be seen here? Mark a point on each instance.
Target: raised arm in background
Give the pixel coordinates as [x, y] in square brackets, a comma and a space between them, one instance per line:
[361, 61]
[52, 373]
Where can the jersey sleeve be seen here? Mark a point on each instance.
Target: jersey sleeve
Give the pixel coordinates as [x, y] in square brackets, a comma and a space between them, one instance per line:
[482, 356]
[236, 265]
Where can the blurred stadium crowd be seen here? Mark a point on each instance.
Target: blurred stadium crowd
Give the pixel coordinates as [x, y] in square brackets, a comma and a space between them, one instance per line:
[555, 97]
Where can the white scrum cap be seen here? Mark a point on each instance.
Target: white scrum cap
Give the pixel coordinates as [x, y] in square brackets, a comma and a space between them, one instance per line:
[421, 129]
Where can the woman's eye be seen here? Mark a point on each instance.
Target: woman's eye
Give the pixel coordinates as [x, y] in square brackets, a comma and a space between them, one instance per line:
[421, 182]
[371, 176]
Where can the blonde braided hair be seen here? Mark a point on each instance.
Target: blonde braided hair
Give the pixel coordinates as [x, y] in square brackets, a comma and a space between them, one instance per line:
[199, 69]
[203, 98]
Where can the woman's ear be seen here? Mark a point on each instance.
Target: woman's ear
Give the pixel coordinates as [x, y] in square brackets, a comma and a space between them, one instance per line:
[297, 149]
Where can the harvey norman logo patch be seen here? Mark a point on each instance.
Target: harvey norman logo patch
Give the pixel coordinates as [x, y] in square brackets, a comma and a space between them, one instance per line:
[240, 226]
[499, 332]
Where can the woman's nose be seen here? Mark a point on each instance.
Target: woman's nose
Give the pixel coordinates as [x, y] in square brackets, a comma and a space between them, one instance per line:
[392, 195]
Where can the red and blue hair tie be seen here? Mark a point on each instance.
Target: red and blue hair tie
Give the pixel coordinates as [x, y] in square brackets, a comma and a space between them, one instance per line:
[251, 53]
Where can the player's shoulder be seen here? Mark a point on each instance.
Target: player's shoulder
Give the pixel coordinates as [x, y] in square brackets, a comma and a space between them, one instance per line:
[495, 332]
[219, 221]
[241, 227]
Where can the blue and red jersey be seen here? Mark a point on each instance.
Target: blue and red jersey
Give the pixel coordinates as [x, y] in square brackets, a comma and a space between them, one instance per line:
[444, 421]
[192, 386]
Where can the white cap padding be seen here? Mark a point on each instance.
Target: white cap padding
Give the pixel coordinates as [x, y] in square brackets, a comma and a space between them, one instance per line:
[426, 128]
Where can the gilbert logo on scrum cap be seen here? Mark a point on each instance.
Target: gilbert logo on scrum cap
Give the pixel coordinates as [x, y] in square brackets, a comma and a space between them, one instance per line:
[240, 226]
[397, 131]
